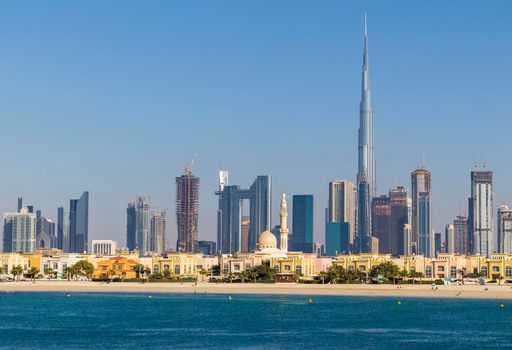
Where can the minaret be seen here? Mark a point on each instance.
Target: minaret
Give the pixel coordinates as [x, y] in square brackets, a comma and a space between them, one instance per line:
[283, 231]
[366, 164]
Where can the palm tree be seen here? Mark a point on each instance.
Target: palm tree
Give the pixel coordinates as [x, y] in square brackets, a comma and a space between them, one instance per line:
[48, 271]
[111, 274]
[244, 275]
[32, 272]
[16, 271]
[123, 275]
[139, 270]
[1, 270]
[323, 276]
[203, 273]
[403, 273]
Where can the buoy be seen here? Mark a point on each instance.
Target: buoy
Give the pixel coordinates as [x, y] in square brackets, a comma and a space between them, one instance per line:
[502, 306]
[398, 302]
[310, 300]
[230, 298]
[68, 295]
[149, 297]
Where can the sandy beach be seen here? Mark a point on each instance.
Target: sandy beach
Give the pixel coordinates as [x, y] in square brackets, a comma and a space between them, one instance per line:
[465, 291]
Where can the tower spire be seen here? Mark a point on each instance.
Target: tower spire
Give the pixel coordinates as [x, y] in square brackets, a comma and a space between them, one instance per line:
[366, 177]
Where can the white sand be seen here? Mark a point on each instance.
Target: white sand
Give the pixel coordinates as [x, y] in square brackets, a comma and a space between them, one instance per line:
[466, 291]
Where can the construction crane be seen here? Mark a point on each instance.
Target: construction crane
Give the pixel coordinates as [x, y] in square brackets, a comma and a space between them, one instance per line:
[188, 167]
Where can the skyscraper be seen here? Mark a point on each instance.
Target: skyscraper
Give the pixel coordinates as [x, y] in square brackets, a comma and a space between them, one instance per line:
[79, 224]
[158, 231]
[381, 222]
[505, 229]
[45, 233]
[366, 160]
[341, 206]
[363, 241]
[421, 211]
[462, 241]
[399, 203]
[137, 228]
[19, 232]
[302, 224]
[62, 230]
[229, 214]
[449, 233]
[187, 210]
[480, 207]
[366, 178]
[260, 208]
[389, 215]
[131, 220]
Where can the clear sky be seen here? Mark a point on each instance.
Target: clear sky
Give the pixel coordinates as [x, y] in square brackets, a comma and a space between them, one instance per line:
[115, 97]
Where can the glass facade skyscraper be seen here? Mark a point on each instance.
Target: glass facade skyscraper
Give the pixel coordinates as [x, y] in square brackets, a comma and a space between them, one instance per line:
[301, 238]
[229, 214]
[79, 224]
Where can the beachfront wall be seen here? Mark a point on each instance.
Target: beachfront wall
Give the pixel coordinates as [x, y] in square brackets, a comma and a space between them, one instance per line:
[9, 260]
[117, 267]
[455, 266]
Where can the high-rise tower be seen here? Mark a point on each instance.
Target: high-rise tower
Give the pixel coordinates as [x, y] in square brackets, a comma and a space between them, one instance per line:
[366, 164]
[480, 223]
[187, 210]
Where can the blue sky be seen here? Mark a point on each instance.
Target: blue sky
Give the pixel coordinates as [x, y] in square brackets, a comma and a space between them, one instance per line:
[116, 97]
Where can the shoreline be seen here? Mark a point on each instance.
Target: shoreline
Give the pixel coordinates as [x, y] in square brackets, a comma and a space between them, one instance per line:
[414, 291]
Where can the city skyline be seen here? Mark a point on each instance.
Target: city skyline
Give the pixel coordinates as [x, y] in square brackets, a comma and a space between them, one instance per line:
[110, 181]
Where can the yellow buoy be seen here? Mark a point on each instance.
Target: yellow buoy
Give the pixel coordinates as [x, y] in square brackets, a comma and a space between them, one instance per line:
[310, 300]
[149, 297]
[68, 295]
[399, 302]
[502, 306]
[230, 298]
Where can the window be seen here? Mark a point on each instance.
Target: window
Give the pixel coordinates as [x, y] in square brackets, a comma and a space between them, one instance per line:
[247, 266]
[236, 267]
[55, 266]
[453, 271]
[166, 267]
[483, 271]
[156, 268]
[287, 267]
[440, 268]
[412, 268]
[351, 267]
[495, 269]
[362, 268]
[508, 271]
[104, 268]
[177, 269]
[428, 271]
[298, 269]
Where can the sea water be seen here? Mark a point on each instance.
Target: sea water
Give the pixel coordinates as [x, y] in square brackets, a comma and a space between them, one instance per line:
[172, 321]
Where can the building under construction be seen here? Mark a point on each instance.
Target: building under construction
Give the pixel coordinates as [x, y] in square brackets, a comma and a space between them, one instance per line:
[187, 210]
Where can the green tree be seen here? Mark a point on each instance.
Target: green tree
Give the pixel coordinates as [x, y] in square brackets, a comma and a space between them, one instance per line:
[17, 271]
[403, 274]
[84, 267]
[244, 275]
[389, 270]
[139, 270]
[324, 276]
[48, 271]
[216, 270]
[1, 270]
[32, 272]
[166, 274]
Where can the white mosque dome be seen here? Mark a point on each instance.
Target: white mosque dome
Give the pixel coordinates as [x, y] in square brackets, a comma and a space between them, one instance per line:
[267, 240]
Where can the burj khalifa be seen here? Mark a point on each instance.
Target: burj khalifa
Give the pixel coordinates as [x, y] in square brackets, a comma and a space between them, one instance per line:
[367, 187]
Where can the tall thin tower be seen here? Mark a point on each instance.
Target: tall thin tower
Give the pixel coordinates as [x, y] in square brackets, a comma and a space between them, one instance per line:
[366, 164]
[366, 183]
[187, 210]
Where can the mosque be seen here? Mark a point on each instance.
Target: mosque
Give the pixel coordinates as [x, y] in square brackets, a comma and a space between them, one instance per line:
[267, 242]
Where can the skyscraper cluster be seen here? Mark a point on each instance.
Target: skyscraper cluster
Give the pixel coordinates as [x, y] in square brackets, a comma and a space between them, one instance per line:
[26, 230]
[145, 228]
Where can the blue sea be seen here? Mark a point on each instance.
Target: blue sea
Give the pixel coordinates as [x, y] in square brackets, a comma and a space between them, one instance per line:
[170, 321]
